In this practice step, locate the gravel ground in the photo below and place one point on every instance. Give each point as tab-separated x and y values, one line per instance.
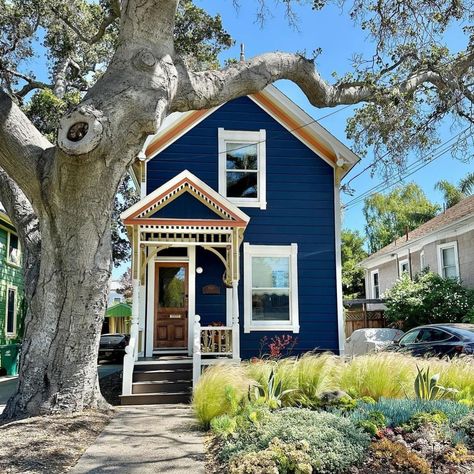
48	444
52	444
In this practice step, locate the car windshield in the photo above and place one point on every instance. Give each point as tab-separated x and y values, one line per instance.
113	338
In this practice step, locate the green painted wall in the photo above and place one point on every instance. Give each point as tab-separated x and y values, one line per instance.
10	275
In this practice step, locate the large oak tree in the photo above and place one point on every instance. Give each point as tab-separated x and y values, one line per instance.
120	67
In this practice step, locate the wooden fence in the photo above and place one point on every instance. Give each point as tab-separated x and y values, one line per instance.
359	314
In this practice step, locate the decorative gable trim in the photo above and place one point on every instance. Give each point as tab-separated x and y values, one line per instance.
284	111
230	215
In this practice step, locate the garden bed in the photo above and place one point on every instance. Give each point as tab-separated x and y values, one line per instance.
322	414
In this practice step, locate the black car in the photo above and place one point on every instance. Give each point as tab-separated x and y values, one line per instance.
437	340
112	346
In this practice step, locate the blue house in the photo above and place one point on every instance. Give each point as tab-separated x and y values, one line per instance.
238	224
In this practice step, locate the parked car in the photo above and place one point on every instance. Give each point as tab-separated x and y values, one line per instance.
437	340
112	346
363	341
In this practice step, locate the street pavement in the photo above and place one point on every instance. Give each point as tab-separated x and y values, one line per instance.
8	384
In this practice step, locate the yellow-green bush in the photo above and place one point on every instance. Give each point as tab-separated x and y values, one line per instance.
219	391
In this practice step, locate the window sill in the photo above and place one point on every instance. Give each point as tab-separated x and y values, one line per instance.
12	264
273	327
239	203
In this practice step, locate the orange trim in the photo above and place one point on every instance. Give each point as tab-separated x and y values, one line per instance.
183	181
293	125
175	130
183	222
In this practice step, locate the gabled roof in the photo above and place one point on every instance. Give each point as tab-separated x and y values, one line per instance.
227	214
282	109
119	310
456	214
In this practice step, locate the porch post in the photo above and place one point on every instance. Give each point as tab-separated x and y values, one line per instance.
235	321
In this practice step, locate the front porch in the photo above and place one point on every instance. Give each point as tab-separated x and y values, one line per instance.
167	263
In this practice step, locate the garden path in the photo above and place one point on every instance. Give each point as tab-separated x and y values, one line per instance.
147	439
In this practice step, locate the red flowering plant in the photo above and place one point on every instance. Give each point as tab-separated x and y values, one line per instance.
277	347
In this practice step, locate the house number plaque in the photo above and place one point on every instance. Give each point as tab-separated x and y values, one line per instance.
175	316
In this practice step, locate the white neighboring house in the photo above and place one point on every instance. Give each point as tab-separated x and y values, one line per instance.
114	296
445	245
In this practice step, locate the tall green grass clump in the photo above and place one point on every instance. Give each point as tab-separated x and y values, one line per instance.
221	390
384	374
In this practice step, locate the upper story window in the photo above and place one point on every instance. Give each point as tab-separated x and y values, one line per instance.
242	162
270	288
13	251
403	267
375	284
448	263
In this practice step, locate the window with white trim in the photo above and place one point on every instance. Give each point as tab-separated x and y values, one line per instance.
13	249
422	260
403	267
242	165
271	288
448	263
374	279
11	309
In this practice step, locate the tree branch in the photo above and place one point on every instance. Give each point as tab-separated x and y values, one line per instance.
201	90
31	83
21	147
26	223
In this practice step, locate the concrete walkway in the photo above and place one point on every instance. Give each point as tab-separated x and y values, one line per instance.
147	439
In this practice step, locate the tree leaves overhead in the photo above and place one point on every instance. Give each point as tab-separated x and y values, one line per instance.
79	38
389	216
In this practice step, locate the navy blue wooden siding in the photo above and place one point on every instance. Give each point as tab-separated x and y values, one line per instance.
300	209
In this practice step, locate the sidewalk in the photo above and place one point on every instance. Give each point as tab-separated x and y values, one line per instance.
147	439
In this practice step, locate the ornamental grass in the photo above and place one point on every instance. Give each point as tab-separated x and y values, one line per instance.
383	375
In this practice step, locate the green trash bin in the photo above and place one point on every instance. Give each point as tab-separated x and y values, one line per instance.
9	358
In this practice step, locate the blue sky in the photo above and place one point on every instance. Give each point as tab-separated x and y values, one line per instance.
331	30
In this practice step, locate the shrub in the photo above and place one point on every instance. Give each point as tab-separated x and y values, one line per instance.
335	443
399	412
420	419
279	457
220	390
428	298
374	422
466	425
399	456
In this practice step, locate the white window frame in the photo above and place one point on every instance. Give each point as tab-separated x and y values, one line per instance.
400	265
290	251
441	247
372	286
15	310
10	262
422	260
242	136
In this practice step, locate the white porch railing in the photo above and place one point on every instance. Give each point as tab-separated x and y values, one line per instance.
212	343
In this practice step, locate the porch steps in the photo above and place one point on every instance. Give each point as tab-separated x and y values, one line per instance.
159	381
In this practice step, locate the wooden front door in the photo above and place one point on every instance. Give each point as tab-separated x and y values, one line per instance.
171	305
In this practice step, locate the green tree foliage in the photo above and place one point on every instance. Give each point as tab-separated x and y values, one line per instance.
428	299
452	193
352	253
389	216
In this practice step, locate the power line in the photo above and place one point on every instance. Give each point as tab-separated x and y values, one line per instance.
413	168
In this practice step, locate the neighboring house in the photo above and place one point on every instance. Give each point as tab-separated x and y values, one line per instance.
239	223
445	245
11	281
114	296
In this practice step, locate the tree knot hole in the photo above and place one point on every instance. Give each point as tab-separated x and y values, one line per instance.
77	131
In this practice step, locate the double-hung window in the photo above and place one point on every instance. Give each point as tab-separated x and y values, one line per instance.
242	167
375	284
13	250
403	267
11	309
271	288
448	263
